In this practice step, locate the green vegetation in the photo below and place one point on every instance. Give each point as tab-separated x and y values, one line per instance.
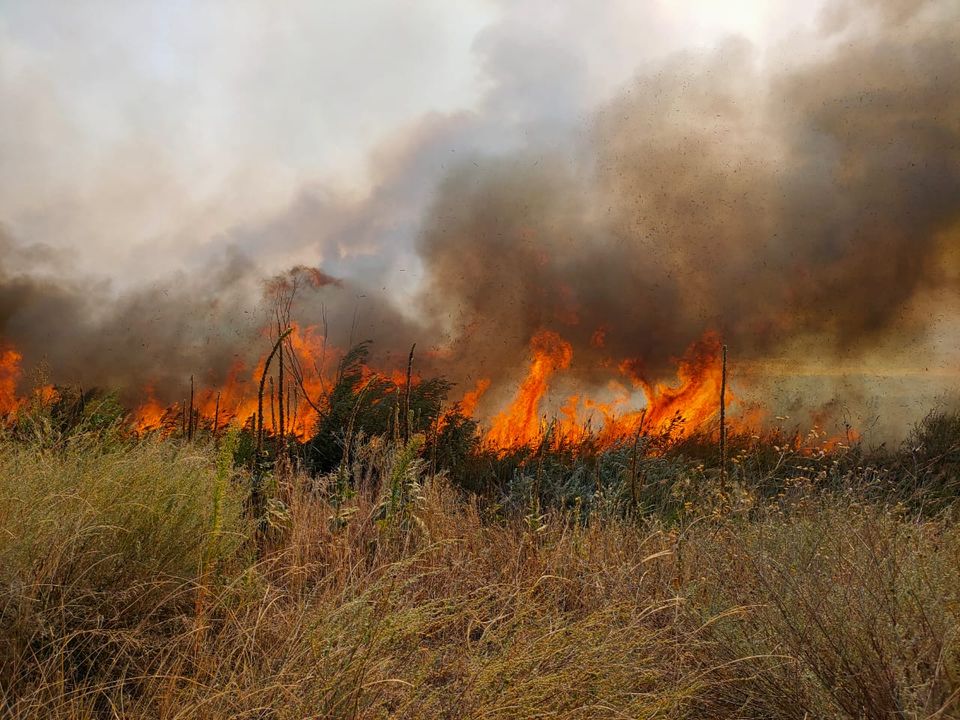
418	580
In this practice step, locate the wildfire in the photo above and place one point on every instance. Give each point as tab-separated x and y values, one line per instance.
9	377
695	398
150	415
10	374
471	398
630	403
671	409
236	401
520	423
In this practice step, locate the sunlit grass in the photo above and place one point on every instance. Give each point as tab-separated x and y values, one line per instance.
131	586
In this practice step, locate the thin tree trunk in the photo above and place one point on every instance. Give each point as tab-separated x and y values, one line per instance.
436	440
257	501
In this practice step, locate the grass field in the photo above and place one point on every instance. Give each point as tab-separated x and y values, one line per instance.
133	583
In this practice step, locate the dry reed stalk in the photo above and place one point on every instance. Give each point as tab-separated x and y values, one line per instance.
273	416
190	420
406	399
541	451
216	416
436	440
345	461
291	390
280	415
633	462
293	405
596	474
723	419
263	382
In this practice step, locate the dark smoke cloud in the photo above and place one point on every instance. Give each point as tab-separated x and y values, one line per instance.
200	323
809	201
159	334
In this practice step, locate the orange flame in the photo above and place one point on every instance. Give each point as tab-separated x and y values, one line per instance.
631	402
235	402
471	398
696	397
670	409
9	377
520	423
150	414
10	374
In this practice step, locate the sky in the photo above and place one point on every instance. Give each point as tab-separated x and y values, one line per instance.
136	136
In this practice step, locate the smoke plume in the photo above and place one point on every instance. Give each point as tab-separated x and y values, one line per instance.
794	201
814	201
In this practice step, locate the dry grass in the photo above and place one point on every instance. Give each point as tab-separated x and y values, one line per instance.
130	589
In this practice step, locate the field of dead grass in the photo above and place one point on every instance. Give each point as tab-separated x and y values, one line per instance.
132	586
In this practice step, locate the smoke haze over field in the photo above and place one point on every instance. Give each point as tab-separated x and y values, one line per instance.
792	183
813	200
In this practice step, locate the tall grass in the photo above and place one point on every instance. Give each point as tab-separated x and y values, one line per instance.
853	613
98	550
130	586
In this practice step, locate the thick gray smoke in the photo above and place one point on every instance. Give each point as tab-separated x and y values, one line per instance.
84	334
200	323
810	201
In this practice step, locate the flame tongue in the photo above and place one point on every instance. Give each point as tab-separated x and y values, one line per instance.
150	414
520	424
695	399
471	398
236	400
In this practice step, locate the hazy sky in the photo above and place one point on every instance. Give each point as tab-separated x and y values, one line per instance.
139	134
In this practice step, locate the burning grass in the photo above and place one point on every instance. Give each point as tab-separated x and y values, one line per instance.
631	403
